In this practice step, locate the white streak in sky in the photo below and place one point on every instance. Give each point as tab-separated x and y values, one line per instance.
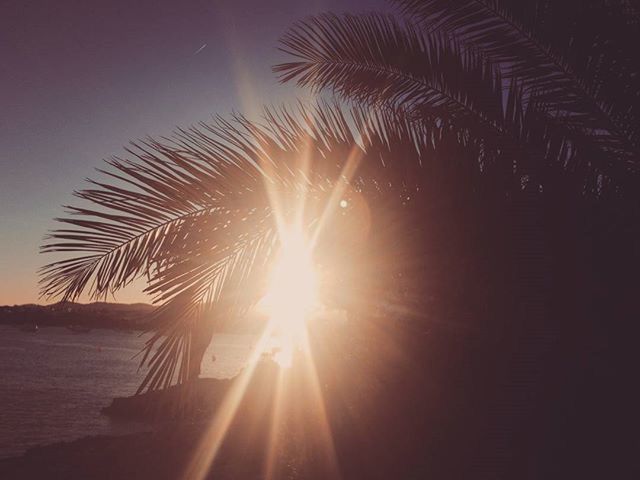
200	49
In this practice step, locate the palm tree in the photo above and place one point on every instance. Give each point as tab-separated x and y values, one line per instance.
471	104
539	86
194	215
546	94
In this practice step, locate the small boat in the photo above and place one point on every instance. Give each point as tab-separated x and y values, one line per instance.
32	328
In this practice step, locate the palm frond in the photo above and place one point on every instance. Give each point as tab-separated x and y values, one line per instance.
192	214
375	60
571	101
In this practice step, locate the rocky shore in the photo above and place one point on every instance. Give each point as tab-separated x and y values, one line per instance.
179	419
442	407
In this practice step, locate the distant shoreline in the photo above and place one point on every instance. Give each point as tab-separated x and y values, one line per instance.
112	316
80	316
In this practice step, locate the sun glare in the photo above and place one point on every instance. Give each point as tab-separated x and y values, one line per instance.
292	294
292	298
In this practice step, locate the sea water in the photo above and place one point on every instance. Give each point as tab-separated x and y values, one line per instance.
54	382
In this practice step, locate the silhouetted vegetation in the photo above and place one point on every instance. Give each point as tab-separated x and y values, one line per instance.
492	289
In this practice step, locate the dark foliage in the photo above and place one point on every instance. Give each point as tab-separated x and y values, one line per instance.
492	284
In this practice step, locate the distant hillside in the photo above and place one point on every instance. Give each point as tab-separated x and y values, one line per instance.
90	315
121	316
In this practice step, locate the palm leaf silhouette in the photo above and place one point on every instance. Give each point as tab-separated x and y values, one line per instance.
471	91
558	67
445	73
193	214
374	59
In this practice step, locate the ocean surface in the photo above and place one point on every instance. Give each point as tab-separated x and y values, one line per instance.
54	382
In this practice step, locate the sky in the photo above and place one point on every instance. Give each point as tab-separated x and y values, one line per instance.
80	79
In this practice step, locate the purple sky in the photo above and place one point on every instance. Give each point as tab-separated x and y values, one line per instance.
79	79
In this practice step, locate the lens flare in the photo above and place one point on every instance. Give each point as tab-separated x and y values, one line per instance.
292	294
291	300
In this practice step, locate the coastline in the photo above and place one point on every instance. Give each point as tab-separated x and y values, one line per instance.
161	452
113	316
166	451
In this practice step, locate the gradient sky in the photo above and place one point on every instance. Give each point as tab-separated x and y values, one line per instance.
79	79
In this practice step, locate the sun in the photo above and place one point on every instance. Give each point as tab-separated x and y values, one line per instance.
292	294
